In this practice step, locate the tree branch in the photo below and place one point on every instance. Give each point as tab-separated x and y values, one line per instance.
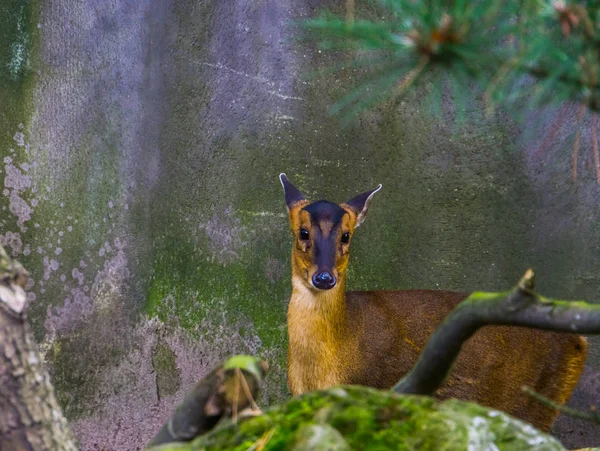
226	390
519	307
484	43
592	100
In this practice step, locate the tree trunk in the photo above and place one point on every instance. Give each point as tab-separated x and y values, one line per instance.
30	418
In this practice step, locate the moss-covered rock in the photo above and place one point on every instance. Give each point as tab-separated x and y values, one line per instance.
352	417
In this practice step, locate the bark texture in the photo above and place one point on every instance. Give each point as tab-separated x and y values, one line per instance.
30	418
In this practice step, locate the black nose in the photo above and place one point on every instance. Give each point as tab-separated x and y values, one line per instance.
323	280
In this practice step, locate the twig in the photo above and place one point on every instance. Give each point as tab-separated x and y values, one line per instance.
262	441
575	157
589	416
349	12
413	75
216	396
595	146
236	394
247	391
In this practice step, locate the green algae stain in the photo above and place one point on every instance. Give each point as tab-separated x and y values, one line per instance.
206	296
16	40
187	282
165	365
19	50
78	361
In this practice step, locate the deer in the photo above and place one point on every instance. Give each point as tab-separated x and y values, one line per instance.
373	338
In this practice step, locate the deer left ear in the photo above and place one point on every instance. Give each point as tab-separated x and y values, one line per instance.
292	194
360	204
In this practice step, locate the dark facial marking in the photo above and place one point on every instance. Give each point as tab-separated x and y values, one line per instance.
325	211
325	246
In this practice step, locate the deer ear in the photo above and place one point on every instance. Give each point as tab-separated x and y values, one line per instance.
292	194
360	204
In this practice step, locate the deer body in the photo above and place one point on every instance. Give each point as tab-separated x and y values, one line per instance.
374	338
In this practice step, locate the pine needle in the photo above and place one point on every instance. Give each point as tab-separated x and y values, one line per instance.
575	156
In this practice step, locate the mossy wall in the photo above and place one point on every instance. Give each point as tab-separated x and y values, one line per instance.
142	142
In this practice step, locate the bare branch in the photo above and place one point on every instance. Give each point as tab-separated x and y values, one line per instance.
580	115
520	307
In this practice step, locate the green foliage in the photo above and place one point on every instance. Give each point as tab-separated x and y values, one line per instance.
539	51
254	366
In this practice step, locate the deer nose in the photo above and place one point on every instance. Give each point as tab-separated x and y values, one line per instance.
323	280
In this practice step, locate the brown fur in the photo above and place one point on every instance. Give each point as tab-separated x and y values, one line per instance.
374	338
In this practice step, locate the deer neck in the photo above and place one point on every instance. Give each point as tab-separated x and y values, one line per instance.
317	318
317	332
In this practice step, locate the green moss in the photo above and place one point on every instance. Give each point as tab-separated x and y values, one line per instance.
185	283
18	47
369	419
16	39
167	374
78	361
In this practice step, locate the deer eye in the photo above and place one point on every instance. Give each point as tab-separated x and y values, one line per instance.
346	237
304	234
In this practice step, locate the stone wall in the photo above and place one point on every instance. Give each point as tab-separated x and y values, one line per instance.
141	144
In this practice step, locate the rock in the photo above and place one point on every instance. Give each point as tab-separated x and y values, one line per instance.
320	437
352	417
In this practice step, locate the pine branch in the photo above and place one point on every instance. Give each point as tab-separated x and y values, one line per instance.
592	100
496	43
588	416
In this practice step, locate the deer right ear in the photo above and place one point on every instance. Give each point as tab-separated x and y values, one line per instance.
360	204
292	194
